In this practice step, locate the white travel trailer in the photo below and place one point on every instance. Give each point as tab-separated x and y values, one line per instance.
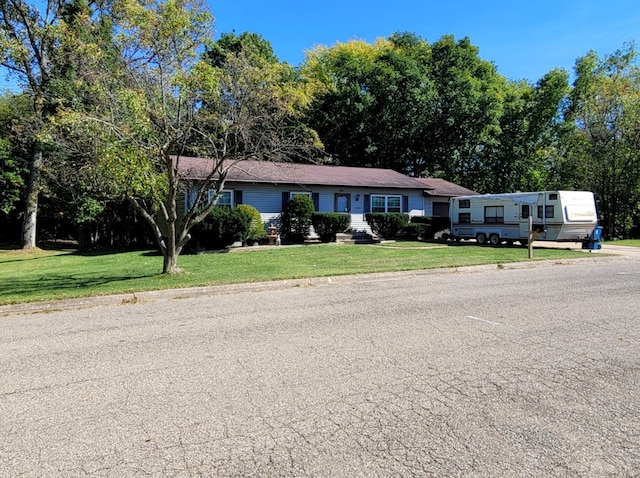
556	216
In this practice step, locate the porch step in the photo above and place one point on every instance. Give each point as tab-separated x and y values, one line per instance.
356	237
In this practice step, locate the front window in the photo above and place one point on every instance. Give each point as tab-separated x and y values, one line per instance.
494	214
464	203
386	203
225	198
464	217
293	194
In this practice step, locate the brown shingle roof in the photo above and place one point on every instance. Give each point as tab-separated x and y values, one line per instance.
321	175
301	174
440	187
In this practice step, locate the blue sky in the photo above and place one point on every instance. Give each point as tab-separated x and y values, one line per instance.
524	39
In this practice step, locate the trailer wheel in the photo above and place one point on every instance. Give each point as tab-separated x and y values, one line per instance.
481	238
494	239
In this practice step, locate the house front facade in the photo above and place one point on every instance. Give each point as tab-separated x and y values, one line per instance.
267	186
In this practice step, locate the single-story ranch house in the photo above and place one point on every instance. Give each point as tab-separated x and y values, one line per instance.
267	186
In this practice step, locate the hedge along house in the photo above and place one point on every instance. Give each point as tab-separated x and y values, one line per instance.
267	186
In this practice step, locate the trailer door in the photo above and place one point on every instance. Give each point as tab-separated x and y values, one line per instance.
525	212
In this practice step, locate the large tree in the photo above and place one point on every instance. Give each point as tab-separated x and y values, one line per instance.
402	103
603	152
523	148
39	47
374	101
164	99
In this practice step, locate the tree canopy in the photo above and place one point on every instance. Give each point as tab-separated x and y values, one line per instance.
167	96
115	92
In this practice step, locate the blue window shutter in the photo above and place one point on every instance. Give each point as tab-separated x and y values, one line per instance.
316	200
237	197
405	203
285	198
367	203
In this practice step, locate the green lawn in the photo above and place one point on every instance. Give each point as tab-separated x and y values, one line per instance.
625	242
50	274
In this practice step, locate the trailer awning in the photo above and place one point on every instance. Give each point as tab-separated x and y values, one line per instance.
519	199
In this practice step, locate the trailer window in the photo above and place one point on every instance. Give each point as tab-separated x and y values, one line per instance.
553	196
464	203
548	211
494	214
525	212
464	217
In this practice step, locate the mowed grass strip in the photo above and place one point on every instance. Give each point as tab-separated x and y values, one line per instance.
49	275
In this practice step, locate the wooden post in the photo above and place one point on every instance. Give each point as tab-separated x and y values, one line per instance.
530	235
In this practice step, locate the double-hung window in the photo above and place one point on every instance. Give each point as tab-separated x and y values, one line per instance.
381	203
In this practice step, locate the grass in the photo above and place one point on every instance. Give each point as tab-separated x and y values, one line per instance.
625	242
54	274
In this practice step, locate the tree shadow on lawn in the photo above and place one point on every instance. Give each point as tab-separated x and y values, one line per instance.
57	285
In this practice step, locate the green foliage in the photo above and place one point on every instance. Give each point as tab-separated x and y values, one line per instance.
386	225
425	227
328	224
222	227
230	44
11	178
602	144
404	104
256	230
296	219
415	231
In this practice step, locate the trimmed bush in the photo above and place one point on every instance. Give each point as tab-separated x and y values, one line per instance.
427	226
221	228
415	231
296	219
328	224
256	230
386	225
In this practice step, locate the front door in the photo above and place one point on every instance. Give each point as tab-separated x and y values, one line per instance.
343	203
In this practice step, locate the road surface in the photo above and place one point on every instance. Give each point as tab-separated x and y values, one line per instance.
488	371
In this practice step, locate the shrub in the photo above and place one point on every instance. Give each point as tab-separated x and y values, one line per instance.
221	228
415	230
386	225
256	230
328	224
296	219
427	226
420	220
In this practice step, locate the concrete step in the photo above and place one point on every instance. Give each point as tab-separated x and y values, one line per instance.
355	238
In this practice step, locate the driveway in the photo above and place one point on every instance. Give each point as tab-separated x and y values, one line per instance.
515	371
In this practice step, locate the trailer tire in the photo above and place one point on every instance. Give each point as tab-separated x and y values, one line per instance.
494	239
481	238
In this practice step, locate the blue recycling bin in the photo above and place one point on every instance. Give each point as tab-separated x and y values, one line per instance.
597	233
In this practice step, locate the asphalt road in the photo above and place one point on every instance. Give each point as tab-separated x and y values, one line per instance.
480	372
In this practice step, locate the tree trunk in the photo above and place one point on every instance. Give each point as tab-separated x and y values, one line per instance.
31	208
170	265
171	251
